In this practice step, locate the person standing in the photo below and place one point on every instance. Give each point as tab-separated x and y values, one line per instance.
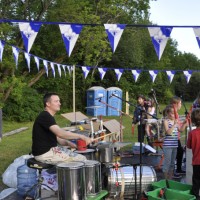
138	117
148	127
176	102
196	103
46	135
193	143
170	142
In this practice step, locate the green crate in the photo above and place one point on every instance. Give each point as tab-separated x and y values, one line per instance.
169	195
175	185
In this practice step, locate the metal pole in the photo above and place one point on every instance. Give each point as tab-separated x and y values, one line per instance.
1	124
74	94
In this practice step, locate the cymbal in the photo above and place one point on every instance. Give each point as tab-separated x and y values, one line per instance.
103	145
120	144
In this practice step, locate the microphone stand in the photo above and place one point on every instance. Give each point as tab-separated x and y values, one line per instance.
140	164
186	114
121	113
157	105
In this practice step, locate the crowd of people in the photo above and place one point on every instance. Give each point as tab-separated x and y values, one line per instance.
173	150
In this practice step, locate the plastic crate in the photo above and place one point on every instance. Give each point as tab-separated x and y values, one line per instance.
175	185
169	194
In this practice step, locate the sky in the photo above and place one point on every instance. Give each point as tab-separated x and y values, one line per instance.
182	13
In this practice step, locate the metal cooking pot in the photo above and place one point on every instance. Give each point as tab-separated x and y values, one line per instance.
105	154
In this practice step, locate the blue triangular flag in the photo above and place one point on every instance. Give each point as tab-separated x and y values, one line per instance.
15	51
2	44
159	37
153	74
29	32
136	74
46	66
37	61
59	69
170	75
28	60
197	34
64	66
70	35
114	32
188	75
86	71
119	73
53	69
102	72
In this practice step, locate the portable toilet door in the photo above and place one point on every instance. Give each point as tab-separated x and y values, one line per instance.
95	95
114	102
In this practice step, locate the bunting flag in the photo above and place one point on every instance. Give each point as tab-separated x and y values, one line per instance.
2	44
37	61
64	66
86	71
102	72
153	74
45	63
170	75
197	35
53	69
159	37
15	51
70	35
70	69
136	74
119	73
188	75
28	60
29	32
59	69
114	32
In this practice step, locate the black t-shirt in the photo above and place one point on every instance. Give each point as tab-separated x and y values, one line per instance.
43	139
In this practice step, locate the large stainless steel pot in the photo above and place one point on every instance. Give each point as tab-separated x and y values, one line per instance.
105	155
71	181
92	177
123	179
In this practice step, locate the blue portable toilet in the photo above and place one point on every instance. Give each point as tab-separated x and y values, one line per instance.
114	102
95	95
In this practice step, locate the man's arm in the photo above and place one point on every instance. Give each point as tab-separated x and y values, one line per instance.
65	142
60	133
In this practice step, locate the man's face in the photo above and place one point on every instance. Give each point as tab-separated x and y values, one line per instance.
54	103
140	101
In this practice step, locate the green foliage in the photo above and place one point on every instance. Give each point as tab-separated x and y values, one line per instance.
135	51
23	106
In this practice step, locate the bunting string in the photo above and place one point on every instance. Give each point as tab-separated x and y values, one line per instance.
70	33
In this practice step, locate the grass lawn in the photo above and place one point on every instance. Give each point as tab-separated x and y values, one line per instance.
19	144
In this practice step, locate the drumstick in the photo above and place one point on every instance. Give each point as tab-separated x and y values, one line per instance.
175	112
104	136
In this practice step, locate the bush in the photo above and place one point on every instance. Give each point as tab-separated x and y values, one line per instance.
25	108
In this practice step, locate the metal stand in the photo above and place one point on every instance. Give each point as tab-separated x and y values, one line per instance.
37	187
141	111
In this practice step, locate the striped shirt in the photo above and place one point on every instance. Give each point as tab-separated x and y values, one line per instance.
172	139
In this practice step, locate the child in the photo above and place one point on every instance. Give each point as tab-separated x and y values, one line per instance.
193	143
148	128
170	142
176	102
138	116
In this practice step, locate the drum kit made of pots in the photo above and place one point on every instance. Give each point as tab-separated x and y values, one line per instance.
81	180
